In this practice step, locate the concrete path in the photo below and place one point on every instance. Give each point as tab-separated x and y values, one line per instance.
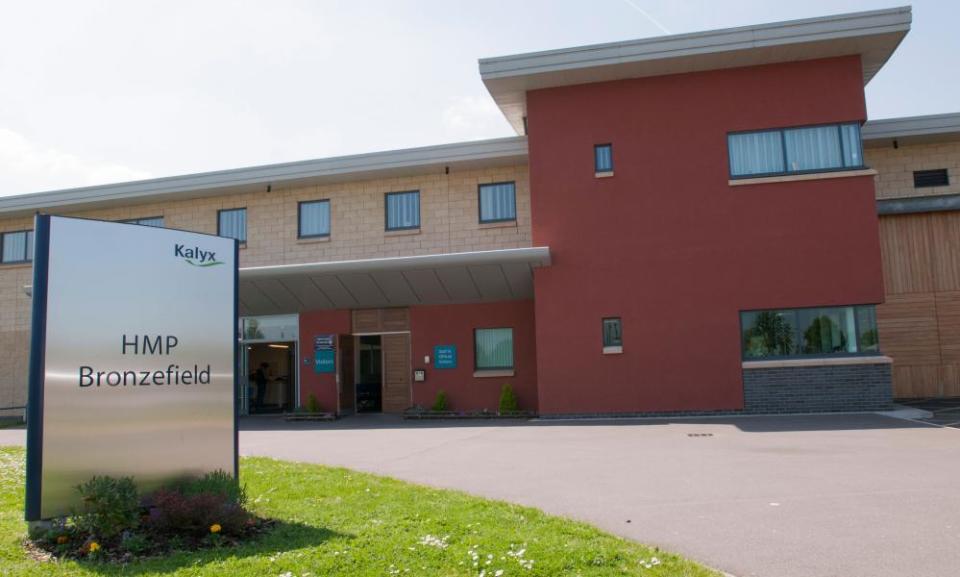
824	496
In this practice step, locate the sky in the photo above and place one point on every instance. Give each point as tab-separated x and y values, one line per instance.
93	92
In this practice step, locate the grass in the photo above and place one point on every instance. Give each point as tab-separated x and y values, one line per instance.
339	522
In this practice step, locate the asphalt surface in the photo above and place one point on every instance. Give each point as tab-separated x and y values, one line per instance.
818	496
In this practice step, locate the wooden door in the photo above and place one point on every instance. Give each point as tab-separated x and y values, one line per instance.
347	381
396	372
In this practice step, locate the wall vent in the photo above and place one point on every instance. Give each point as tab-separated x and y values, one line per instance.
925	178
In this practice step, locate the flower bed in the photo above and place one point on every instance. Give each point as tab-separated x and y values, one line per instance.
415	413
116	524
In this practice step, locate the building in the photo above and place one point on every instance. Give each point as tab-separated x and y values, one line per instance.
685	224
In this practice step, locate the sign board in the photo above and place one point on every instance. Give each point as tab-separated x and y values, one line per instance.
324	361
132	358
445	357
324	342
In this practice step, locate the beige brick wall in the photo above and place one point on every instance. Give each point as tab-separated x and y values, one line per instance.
448	220
895	168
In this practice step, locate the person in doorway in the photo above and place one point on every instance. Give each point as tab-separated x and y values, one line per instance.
260	378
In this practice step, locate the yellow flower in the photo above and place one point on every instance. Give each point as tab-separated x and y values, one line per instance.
94	546
62	539
215	528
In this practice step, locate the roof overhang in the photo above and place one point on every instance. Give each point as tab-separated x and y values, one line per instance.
393	163
873	35
465	277
912	130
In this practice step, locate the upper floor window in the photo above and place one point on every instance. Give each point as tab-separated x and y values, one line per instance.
403	210
314	219
795	150
498	202
612	332
17	246
603	158
232	223
148	221
493	349
809	332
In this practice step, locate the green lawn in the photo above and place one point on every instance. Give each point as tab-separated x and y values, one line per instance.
340	522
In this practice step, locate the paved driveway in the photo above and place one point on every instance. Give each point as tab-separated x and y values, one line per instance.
825	496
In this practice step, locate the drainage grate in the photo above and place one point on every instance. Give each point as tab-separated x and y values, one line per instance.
699	434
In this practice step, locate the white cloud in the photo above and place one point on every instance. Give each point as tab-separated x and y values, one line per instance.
26	166
473	118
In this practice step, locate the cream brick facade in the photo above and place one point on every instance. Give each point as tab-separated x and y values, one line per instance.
895	168
449	220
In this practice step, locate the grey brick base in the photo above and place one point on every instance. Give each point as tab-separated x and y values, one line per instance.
832	388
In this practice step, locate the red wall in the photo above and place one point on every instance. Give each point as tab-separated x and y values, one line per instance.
323	386
453	325
669	246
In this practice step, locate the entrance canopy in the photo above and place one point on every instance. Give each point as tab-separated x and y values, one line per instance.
462	277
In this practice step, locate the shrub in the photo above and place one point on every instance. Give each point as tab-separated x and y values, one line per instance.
440	403
508	399
109	506
313	404
216	483
174	512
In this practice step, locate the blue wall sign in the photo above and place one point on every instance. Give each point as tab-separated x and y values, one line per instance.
445	357
324	361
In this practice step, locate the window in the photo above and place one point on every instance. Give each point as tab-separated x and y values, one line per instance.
824	331
612	335
232	223
795	150
493	349
603	158
148	221
403	210
925	178
17	246
498	202
314	219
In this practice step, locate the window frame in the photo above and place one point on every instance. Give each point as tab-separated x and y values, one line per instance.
300	204
480	202
3	240
245	223
603	332
513	351
386	211
845	354
138	221
596	168
783	151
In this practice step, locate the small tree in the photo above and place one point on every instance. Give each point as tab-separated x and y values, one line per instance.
508	400
440	403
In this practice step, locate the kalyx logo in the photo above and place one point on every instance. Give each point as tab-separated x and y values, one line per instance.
195	256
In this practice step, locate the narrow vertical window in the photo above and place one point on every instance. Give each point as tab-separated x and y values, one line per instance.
612	335
314	219
603	158
232	224
498	202
493	349
403	210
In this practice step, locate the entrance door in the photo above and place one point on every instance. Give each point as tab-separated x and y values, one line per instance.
369	374
396	378
271	370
